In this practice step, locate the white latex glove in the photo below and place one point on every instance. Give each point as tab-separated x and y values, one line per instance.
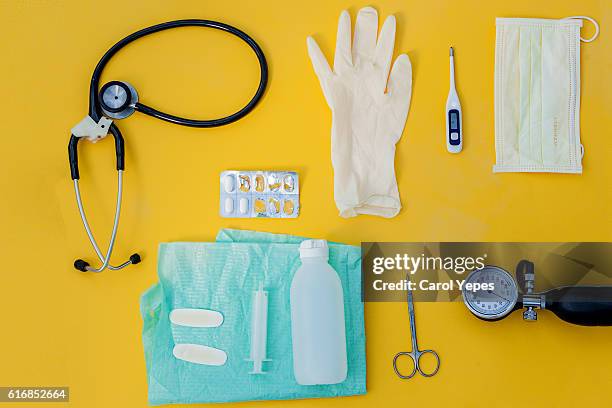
367	122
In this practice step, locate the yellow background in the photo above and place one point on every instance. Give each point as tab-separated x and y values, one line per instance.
63	327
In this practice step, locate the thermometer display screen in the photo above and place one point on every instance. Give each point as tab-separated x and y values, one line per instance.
454	120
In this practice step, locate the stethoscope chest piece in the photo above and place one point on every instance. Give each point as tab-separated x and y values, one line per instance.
118	99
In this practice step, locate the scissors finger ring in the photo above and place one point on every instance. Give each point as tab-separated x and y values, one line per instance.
418	365
414	364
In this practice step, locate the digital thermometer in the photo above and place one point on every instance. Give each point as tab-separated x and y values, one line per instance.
454	135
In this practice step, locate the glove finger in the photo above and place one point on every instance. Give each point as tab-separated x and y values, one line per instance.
366	28
321	67
399	92
384	47
400	79
343	59
319	63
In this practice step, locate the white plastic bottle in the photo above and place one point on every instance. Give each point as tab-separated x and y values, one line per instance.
318	332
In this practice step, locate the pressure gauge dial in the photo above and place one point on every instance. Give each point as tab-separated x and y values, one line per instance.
490	293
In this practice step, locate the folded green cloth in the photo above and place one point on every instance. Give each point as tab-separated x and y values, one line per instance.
222	276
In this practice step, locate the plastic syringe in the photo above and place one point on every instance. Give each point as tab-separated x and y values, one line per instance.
259	329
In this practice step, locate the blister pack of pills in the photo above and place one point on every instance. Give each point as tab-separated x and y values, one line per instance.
259	194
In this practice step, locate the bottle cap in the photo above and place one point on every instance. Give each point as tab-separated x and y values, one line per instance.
312	248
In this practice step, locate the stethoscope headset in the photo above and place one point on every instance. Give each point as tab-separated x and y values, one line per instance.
118	100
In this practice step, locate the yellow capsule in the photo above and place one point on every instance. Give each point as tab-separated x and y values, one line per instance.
260	206
288	183
288	207
274	205
259	183
245	183
274	182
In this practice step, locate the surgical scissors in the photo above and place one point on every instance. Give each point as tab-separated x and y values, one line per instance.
415	354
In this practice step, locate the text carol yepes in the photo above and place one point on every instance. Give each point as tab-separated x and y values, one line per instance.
424	284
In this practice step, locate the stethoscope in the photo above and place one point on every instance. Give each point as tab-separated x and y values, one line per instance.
118	100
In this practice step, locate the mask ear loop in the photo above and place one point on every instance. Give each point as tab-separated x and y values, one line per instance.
592	21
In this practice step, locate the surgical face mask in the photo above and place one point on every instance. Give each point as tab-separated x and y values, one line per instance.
537	95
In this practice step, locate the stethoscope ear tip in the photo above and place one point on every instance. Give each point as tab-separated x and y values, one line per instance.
81	265
135	258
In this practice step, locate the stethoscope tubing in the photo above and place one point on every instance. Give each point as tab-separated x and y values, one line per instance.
104	259
95	110
94	106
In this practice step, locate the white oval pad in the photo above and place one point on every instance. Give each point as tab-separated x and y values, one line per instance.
196	317
198	354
